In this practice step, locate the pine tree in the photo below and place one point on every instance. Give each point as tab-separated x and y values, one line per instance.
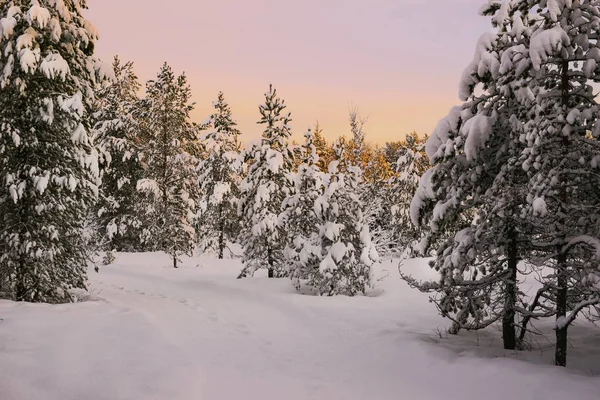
170	156
303	249
557	58
347	252
324	150
264	189
219	181
48	159
472	196
410	164
519	156
117	131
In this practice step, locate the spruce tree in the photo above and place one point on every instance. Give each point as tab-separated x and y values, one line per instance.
170	157
347	251
48	159
264	189
472	197
324	150
219	177
520	153
303	249
557	59
409	165
119	221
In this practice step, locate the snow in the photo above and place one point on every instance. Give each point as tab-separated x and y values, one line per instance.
274	160
41	183
39	15
424	192
477	131
483	62
589	68
29	59
440	137
151	332
338	251
545	44
53	66
7	27
554	9
540	209
221	189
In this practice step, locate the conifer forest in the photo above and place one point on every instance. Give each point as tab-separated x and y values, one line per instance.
149	254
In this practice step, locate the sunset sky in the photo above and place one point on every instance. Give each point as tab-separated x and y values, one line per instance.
398	60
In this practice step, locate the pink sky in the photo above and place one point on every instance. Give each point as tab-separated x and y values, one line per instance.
398	60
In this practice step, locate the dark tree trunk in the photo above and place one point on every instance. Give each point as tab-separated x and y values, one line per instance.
221	232
271	262
174	261
510	296
560	356
21	287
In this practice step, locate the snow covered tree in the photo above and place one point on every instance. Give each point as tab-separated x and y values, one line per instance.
375	171
556	55
356	147
264	189
472	197
410	164
303	249
520	155
170	157
324	150
347	252
219	181
117	132
48	159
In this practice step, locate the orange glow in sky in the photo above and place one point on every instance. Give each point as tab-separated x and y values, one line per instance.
399	61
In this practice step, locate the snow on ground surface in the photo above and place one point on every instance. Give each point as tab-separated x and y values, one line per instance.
152	332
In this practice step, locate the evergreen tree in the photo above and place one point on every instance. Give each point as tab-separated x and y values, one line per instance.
303	249
521	157
116	129
219	181
48	159
472	197
324	150
347	252
170	157
264	189
556	56
410	164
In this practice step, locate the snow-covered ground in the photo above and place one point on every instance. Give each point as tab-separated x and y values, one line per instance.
151	332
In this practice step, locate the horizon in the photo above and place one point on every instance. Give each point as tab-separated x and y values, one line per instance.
377	56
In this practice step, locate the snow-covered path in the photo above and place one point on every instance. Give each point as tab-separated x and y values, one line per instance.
197	333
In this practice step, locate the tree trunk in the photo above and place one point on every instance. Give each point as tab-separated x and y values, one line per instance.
560	356
20	286
271	262
174	261
510	296
221	232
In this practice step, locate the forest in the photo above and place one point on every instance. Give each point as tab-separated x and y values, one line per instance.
95	163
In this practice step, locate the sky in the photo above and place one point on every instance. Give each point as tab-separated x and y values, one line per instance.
399	61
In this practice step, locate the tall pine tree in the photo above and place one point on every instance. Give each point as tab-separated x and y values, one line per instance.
264	189
117	131
409	165
303	250
170	157
557	57
220	181
48	159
